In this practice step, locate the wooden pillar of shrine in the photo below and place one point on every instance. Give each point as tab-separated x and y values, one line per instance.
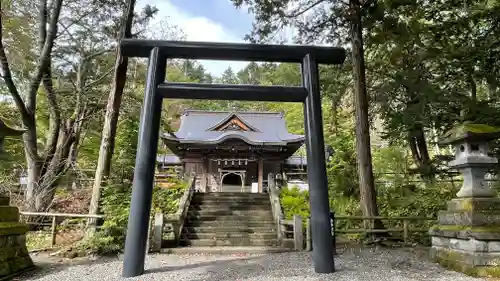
261	174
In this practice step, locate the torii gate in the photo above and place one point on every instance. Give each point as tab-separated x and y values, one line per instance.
158	89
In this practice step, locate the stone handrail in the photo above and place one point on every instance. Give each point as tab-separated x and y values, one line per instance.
179	217
274	197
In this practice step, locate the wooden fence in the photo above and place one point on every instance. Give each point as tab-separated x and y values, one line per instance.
293	229
54	218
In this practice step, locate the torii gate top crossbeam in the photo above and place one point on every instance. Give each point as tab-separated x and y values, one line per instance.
232	51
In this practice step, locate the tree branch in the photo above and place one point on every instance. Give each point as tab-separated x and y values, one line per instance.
80	84
73	22
299	13
98	80
365	4
6	74
44	58
54	113
42	27
96	54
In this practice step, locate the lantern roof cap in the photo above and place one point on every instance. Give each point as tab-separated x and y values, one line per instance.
7	131
468	131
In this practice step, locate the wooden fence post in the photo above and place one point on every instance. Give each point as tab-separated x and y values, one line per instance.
148	237
53	232
279	232
405	231
308	235
298	236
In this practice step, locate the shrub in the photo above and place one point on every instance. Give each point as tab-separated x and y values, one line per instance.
294	202
115	205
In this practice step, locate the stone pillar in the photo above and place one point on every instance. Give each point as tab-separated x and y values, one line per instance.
14	257
467	236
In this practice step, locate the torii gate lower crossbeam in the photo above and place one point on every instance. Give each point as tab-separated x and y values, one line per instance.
157	89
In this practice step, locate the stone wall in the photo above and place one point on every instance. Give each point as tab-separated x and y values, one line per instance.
14	257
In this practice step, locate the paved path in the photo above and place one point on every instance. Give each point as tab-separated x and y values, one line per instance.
353	265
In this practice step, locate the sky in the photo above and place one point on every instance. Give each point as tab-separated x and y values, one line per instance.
205	20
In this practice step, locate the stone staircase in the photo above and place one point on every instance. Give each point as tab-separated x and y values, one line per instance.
229	219
231	188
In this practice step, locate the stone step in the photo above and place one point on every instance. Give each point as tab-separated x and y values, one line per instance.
223	212
231	195
233	218
4	201
224	250
228	198
227	201
229	242
229	235
231	224
9	214
238	194
229	207
227	229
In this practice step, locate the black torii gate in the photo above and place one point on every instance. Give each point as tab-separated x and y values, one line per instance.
157	89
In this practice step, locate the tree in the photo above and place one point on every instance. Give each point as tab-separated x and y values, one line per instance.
250	75
59	115
228	77
326	21
364	157
196	71
428	65
38	164
112	112
400	70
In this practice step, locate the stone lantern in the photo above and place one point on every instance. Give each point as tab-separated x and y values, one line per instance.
6	131
471	142
14	256
467	236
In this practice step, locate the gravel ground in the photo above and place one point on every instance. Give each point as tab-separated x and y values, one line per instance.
352	265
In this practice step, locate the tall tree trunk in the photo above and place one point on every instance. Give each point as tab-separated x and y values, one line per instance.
368	195
473	86
112	113
492	86
420	152
437	149
33	170
417	141
44	174
73	154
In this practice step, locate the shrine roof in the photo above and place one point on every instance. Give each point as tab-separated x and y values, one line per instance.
214	127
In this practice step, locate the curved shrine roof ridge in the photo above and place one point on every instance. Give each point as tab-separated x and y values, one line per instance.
253	127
